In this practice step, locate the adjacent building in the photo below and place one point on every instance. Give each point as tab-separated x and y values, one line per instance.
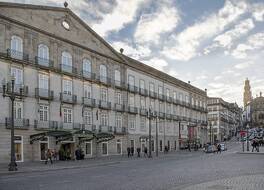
78	91
224	119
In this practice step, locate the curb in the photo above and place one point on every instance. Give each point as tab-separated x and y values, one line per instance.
255	153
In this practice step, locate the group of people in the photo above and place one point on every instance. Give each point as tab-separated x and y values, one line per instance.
130	151
255	145
51	155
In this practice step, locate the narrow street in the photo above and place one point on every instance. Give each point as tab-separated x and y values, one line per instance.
185	170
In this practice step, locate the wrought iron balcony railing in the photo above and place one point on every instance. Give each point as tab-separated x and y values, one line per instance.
18	123
133	110
68	69
68	98
120	130
143	111
44	93
90	102
143	92
88	75
132	88
17	55
104	104
119	107
42	62
19	89
152	94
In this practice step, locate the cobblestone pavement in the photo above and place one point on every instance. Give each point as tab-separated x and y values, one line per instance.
184	170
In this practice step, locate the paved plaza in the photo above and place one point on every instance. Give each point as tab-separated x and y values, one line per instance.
182	170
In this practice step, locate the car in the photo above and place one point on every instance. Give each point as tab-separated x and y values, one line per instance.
210	149
223	146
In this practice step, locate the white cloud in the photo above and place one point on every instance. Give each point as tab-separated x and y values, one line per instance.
184	45
157	63
137	52
258	12
254	42
123	13
244	65
151	26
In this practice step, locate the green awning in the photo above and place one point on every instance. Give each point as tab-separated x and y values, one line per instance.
102	137
64	135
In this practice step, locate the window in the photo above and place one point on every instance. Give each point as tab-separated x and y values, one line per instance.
104	94
132	100
67	87
43	53
87	117
132	122
86	66
88	148
118	146
118	97
104	119
168	92
160	90
180	97
117	76
151	87
174	95
87	91
161	145
67	115
186	99
118	121
16	47
43	81
18	74
168	109
174	109
18	110
131	80
152	104
104	148
161	107
142	102
43	113
142	123
142	84
103	73
66	59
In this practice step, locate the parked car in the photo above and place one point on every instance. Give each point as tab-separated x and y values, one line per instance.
223	146
210	149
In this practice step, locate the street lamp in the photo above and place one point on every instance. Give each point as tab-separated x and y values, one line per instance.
157	150
9	91
150	148
247	138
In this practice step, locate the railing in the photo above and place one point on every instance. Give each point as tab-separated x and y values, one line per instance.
18	123
68	126
119	107
168	116
88	75
17	55
68	98
143	111
44	93
118	84
132	109
45	124
68	69
161	97
44	62
105	128
152	94
77	126
18	89
169	99
104	104
143	92
90	127
90	102
161	115
175	117
120	130
104	80
132	88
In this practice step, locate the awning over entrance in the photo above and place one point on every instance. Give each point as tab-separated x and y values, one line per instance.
102	137
84	135
59	135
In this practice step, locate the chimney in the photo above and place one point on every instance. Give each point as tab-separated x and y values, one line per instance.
189	82
121	50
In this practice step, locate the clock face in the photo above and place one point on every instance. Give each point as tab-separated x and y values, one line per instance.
66	25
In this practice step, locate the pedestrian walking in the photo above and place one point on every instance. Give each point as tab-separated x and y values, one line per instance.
128	152
145	152
189	147
254	145
138	152
219	148
132	151
48	156
55	155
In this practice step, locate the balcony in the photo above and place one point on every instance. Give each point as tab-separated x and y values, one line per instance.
168	116
152	94
44	93
89	127
161	97
119	107
17	55
175	117
104	80
132	110
88	75
143	111
143	92
78	126
120	131
19	89
104	105
169	99
67	126
105	129
176	101
68	69
132	88
119	84
18	123
162	115
184	118
45	125
153	114
44	63
68	98
89	102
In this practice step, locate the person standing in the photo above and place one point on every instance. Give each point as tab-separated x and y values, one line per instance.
128	152
145	152
138	152
253	145
132	151
48	156
219	148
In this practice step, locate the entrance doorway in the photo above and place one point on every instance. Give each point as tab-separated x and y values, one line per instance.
66	151
143	145
44	145
19	148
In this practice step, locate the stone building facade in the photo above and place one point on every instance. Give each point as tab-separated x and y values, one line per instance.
78	91
257	112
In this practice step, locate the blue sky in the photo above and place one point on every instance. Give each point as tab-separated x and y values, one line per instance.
214	44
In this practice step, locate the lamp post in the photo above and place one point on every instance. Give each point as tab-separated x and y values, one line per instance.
210	133
150	148
157	149
12	95
247	138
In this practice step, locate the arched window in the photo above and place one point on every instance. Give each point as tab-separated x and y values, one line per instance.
103	73
43	54
117	78
66	62
16	47
87	68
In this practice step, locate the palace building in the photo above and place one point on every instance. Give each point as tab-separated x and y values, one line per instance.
77	91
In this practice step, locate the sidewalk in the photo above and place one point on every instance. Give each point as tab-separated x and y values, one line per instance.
261	150
26	167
